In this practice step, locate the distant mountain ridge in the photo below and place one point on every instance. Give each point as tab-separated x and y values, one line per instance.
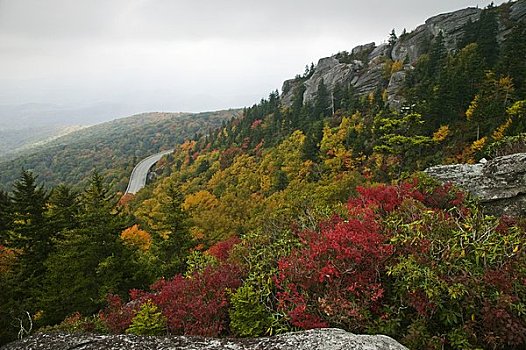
31	124
112	147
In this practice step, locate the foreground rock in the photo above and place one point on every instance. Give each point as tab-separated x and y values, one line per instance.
500	184
321	339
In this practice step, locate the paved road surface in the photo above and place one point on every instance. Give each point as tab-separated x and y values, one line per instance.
140	172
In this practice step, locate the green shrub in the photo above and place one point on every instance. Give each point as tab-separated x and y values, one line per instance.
253	306
198	261
248	315
148	321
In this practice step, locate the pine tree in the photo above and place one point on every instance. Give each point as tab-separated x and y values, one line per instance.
173	249
30	236
90	260
392	38
30	227
6	213
63	208
511	61
322	103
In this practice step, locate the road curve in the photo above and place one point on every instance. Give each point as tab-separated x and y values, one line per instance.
140	172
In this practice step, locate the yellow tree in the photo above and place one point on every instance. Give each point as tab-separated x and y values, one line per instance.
137	238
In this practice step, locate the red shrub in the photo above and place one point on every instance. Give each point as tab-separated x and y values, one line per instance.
334	279
198	305
221	250
117	316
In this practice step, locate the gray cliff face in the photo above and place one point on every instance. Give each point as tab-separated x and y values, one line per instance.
332	72
500	184
412	45
321	339
518	11
367	72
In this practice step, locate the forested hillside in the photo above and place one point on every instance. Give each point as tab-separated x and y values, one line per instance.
112	148
301	213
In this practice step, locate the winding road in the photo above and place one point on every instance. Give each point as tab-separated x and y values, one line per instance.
140	172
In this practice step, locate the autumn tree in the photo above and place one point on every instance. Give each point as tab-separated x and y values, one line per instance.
135	237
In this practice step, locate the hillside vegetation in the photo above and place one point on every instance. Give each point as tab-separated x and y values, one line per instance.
113	148
296	216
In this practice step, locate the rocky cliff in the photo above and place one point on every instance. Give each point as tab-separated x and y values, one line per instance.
321	339
499	184
366	66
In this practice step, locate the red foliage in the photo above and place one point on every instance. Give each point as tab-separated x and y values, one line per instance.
125	199
221	250
444	197
198	305
384	198
117	316
505	223
335	277
501	327
256	123
227	157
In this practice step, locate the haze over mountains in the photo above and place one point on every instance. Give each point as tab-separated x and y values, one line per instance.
26	125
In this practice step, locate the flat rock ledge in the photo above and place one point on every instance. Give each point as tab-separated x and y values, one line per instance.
320	339
499	184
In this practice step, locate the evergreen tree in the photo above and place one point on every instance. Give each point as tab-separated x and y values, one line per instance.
90	260
30	236
6	212
30	228
173	249
511	61
392	39
484	33
63	208
311	146
322	104
437	56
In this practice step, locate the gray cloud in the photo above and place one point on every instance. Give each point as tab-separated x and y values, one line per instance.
175	54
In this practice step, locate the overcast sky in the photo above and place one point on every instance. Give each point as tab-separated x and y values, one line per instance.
175	55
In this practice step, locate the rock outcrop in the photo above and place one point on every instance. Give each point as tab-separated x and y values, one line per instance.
365	66
499	184
410	46
332	72
320	339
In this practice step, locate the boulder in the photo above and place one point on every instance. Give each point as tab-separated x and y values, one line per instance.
320	339
361	49
499	184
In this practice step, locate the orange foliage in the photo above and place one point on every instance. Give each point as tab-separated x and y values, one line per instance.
137	238
7	259
125	199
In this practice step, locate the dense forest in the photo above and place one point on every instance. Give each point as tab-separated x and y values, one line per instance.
113	148
296	217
